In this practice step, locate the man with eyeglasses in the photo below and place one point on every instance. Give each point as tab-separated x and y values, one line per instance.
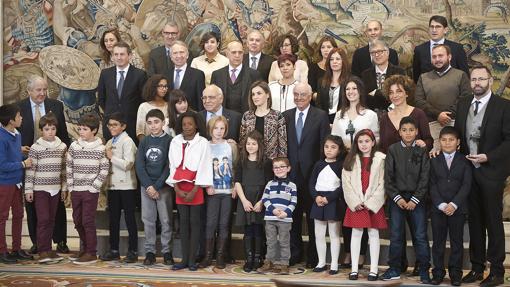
438	28
439	90
362	59
159	57
483	120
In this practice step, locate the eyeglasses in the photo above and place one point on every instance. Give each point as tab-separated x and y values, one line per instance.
279	167
474	80
173	34
377	52
301	95
162	86
208	98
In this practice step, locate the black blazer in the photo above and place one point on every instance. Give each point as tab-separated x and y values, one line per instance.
221	78
422	62
307	152
361	60
129	101
322	100
27	125
263	67
159	62
234	123
192	84
369	78
495	135
450	185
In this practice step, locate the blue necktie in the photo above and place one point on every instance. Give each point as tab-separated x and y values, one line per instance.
120	85
177	82
299	126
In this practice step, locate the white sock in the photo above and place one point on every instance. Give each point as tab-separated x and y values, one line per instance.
375	245
320	241
334	236
357	233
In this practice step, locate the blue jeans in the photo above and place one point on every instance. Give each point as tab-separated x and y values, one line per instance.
418	217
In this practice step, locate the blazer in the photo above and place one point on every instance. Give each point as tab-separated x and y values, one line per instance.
422	62
304	154
221	78
263	67
27	125
234	123
494	135
450	185
361	60
128	102
369	78
159	62
192	84
322	99
373	198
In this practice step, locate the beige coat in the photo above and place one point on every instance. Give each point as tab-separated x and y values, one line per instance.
373	198
122	171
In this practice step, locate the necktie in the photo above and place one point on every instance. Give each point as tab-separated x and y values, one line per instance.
253	63
299	126
37	118
449	160
380	80
477	103
177	81
233	77
120	84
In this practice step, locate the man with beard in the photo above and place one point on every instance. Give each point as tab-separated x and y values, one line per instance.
483	122
439	90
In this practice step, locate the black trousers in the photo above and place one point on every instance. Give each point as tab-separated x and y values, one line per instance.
190	221
118	200
442	225
60	229
485	217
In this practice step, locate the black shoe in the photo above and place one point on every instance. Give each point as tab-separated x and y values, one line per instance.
294	261
436	280
319	269
21	255
456	281
416	270
373	276
492	280
6	258
472	276
62	248
179	266
110	256
193	267
150	259
333	272
353	276
33	249
131	257
168	259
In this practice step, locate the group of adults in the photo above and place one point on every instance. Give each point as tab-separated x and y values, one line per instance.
295	104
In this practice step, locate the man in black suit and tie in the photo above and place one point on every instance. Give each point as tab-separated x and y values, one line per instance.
362	59
483	121
212	98
255	59
32	109
184	77
159	57
438	27
235	79
307	126
120	89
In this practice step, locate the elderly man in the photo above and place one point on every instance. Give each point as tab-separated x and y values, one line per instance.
362	59
439	90
184	77
255	59
374	77
235	79
159	57
212	99
307	126
32	109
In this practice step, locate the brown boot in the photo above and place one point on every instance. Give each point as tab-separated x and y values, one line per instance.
220	259
209	249
267	267
284	269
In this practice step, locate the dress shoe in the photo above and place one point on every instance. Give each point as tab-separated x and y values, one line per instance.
33	249
62	248
373	276
6	258
319	269
21	255
456	281
110	256
179	266
472	276
131	257
150	259
436	280
416	270
168	259
333	272
492	280
353	276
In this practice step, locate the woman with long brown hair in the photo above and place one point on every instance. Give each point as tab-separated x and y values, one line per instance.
109	38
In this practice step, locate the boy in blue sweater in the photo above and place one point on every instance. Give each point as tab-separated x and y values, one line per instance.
11	178
279	199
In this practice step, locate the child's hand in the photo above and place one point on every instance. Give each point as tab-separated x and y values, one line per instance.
25	149
449	209
29	197
325	200
318	200
258	206
411	205
28	162
282	214
109	152
277	212
248	207
63	195
420	143
359	207
210	190
155	195
402	203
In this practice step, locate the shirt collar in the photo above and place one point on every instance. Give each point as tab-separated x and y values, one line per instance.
444	72
33	104
125	69
183	68
377	70
440	42
256	55
305	111
448	155
404	145
483	100
219	112
238	68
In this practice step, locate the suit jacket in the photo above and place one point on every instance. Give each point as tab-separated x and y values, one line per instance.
322	100
369	77
128	102
494	135
422	62
450	185
263	67
192	84
159	62
304	154
361	60
234	123
221	78
27	125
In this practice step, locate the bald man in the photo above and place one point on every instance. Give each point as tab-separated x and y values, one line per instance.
235	79
255	59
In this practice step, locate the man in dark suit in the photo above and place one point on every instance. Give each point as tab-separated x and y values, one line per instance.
32	109
255	59
307	126
120	89
212	98
159	57
184	77
362	59
438	27
235	79
483	121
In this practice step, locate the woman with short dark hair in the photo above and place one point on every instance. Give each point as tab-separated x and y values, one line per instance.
288	44
211	60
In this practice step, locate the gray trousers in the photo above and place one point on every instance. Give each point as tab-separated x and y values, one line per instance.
278	235
151	208
218	215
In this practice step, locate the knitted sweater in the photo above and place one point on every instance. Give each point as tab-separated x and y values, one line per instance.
87	166
279	193
47	172
11	166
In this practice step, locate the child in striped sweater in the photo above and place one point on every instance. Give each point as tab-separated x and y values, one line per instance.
279	199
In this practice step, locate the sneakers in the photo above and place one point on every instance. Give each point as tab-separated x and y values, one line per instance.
168	258
131	257
6	258
76	256
110	256
281	269
267	267
390	274
21	255
86	259
150	259
48	257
